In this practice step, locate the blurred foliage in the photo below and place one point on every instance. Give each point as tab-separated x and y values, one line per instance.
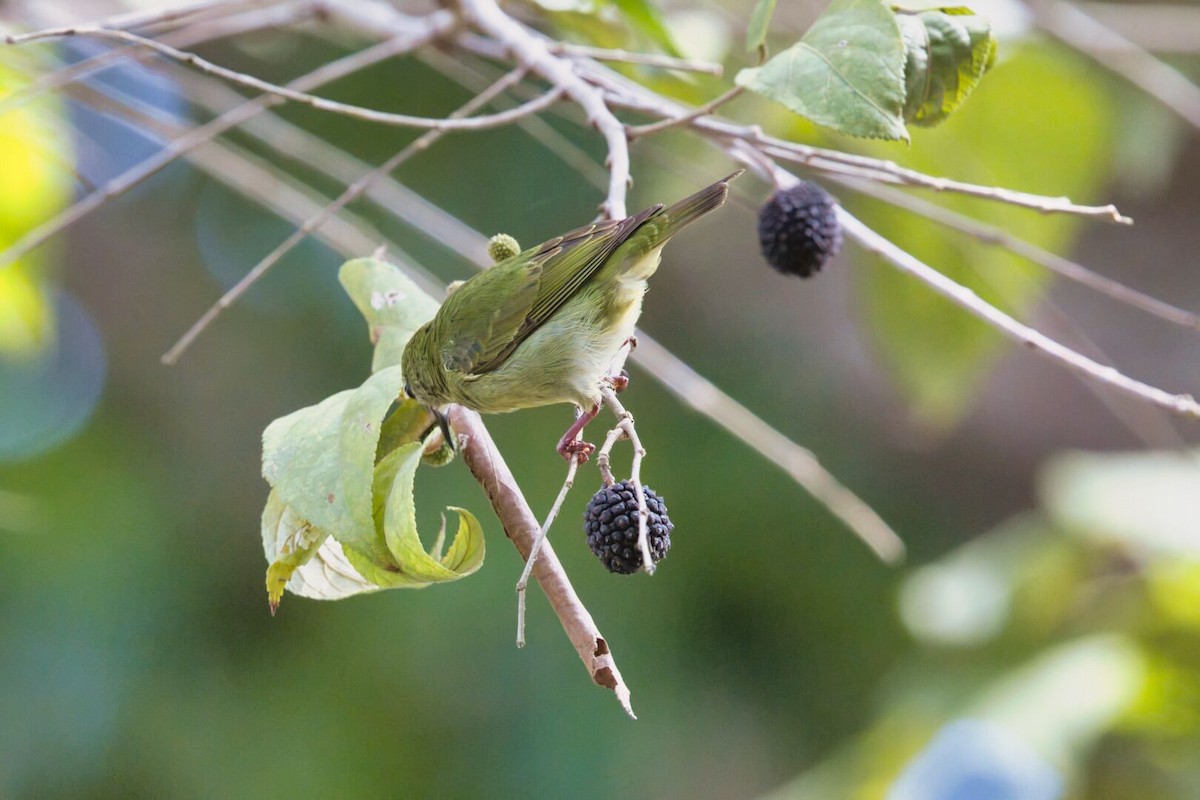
1056	654
34	185
1048	643
51	357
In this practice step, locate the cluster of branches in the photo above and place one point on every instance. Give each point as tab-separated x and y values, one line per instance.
473	41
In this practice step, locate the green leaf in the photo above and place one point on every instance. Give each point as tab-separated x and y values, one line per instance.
304	559
646	18
760	23
1040	123
408	422
289	542
393	306
321	459
947	51
27	318
341	518
400	528
847	73
320	462
395	512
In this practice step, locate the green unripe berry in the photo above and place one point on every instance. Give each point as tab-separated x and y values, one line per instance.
502	246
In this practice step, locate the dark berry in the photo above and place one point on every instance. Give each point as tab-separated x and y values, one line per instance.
798	229
611	523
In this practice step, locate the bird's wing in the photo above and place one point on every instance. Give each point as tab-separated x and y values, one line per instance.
525	291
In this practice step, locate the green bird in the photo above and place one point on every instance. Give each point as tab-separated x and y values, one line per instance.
547	325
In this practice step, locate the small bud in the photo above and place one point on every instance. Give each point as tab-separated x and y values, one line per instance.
452	287
438	453
502	246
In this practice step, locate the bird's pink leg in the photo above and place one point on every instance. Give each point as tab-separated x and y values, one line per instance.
569	445
621	379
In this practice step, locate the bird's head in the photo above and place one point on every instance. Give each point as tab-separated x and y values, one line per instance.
423	377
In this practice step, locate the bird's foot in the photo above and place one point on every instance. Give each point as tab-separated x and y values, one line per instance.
576	448
570	446
619	381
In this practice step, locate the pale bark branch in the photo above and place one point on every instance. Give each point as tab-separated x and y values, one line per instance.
993	235
531	50
322	103
488	466
1181	404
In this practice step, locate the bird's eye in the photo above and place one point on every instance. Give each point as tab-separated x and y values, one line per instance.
408	391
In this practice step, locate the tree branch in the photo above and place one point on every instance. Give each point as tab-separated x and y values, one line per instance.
529	49
189	140
324	104
1064	267
1180	404
487	465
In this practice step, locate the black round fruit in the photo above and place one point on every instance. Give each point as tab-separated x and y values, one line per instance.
798	229
611	523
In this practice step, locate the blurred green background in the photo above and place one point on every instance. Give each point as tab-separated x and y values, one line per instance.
1042	640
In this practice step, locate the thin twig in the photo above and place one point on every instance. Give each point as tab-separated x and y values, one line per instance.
626	426
800	464
531	50
309	150
484	122
1149	424
888	171
157	16
539	540
993	235
604	455
352	192
249	175
622	92
459	70
207	31
646	59
487	465
634	132
185	143
1183	405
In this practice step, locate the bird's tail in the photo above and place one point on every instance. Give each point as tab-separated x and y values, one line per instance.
692	208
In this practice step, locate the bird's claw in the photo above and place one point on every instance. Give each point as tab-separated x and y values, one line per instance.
619	381
576	448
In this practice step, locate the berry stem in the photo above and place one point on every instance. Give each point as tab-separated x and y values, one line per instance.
625	426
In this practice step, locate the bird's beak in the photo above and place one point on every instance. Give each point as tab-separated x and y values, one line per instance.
444	423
